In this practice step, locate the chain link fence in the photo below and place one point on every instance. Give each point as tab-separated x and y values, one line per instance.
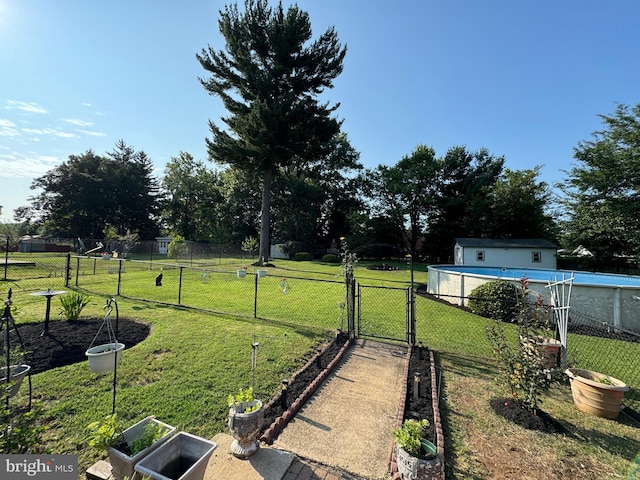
30	271
442	322
445	325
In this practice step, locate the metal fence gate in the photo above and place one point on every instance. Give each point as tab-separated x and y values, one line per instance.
384	312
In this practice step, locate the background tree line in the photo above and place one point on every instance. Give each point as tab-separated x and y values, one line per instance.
286	173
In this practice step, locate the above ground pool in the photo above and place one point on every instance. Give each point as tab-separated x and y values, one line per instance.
605	297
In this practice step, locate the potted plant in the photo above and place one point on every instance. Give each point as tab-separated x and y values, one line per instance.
262	273
126	448
246	417
414	454
242	272
103	358
17	370
182	457
596	393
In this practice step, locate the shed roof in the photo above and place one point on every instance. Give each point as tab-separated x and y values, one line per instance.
506	243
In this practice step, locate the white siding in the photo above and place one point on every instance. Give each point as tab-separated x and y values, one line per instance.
505	257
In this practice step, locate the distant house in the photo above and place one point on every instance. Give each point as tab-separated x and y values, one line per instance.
511	253
39	243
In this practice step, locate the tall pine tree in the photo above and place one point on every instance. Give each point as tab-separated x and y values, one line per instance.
269	78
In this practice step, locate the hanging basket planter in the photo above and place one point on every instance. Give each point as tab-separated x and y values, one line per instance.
242	273
103	358
17	374
596	393
262	273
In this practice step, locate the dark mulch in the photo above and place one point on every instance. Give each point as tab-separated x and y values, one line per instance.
516	413
68	341
303	379
421	407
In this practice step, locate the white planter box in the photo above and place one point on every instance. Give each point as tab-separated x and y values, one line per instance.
18	372
183	457
122	465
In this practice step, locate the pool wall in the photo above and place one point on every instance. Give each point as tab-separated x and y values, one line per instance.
617	304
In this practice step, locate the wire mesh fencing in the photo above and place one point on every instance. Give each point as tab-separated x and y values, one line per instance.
30	271
445	324
246	293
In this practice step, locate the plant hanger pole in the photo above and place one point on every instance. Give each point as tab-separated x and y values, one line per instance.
115	341
7	320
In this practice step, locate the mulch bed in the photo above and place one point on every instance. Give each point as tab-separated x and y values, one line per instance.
516	413
421	407
68	341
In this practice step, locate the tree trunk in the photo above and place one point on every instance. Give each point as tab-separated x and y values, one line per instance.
265	217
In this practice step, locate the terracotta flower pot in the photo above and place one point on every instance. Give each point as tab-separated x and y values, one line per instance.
596	393
550	348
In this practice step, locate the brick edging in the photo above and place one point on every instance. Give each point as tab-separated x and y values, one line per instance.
278	425
437	420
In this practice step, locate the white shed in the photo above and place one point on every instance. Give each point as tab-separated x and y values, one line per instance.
508	253
163	244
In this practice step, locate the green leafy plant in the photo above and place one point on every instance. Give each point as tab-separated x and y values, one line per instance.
72	303
104	433
330	258
151	433
497	300
520	360
177	247
250	244
16	356
303	257
243	401
408	436
20	430
107	433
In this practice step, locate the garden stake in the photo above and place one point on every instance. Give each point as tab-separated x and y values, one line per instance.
416	385
283	395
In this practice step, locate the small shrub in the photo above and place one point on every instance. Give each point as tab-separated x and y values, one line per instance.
177	248
497	300
303	257
330	258
20	430
72	304
520	359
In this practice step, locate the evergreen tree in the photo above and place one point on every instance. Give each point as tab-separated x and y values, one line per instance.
269	79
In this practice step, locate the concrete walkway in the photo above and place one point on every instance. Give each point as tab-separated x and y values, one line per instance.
348	423
344	432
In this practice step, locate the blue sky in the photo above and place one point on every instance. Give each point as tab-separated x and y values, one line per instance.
524	79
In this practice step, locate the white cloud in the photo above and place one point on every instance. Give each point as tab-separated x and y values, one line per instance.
92	133
26	165
79	123
25	106
86	104
49	131
8	128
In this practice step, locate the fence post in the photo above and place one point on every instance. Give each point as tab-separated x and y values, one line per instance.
180	286
119	274
67	271
6	258
77	270
255	297
350	284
